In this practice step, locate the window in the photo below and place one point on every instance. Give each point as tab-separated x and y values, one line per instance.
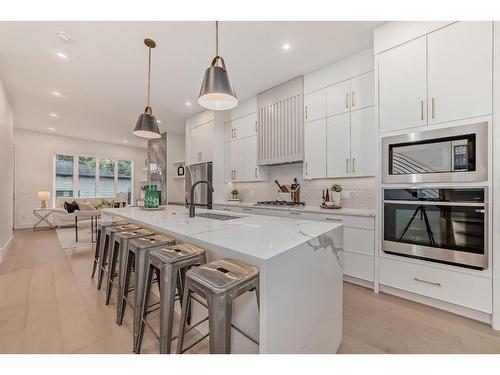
95	177
86	176
125	178
64	176
107	178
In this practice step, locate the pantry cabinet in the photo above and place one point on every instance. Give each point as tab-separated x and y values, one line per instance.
402	75
460	71
443	76
315	149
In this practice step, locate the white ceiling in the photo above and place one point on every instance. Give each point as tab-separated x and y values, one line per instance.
103	81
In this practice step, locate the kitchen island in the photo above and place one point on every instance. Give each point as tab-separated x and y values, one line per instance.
300	264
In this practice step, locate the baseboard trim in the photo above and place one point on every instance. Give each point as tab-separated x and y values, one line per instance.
5	248
357	281
450	307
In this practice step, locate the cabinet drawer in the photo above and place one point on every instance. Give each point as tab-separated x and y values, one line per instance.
358	265
466	290
359	240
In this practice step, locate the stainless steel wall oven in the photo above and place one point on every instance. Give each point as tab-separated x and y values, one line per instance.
441	225
456	154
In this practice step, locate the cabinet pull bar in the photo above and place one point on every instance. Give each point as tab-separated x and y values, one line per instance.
255	172
353	165
332	219
306	112
433	110
347	100
347	165
353	97
307	169
422	110
426	282
294	213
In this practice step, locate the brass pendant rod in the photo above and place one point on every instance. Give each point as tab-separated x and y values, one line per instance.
216	38
149	75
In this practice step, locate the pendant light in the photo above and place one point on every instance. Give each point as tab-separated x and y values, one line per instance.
216	91
146	126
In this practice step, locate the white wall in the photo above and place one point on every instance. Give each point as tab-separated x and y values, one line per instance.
6	166
175	153
34	153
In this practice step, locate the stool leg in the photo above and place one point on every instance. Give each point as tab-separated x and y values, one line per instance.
103	255
126	287
145	308
141	270
184	309
122	267
111	270
96	254
167	301
219	323
180	287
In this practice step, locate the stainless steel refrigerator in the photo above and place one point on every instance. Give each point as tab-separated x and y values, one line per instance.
202	194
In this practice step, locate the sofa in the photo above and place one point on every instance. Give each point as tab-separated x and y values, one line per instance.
62	218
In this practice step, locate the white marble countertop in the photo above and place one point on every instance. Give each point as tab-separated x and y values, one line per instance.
312	209
256	236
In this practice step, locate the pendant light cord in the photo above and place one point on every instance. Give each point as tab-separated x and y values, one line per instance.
149	75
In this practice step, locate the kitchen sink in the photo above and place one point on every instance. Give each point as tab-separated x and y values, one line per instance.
209	215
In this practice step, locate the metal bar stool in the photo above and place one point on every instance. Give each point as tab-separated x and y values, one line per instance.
116	255
102	227
108	242
219	283
172	263
138	255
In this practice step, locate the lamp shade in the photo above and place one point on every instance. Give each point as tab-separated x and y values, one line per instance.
146	126
44	195
216	91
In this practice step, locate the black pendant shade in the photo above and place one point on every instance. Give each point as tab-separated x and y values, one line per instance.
146	126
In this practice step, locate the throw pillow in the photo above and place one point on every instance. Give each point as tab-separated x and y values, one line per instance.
85	207
71	207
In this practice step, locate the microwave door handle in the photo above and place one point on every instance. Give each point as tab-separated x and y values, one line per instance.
432	203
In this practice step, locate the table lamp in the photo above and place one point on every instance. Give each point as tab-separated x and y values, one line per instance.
44	196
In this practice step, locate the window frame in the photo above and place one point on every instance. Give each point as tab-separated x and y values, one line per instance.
76	158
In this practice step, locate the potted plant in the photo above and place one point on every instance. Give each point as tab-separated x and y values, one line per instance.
235	193
336	197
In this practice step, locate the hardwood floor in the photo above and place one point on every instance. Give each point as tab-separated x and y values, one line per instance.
49	304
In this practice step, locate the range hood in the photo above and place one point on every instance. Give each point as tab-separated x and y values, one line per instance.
280	125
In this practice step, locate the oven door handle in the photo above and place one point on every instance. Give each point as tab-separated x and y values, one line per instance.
431	203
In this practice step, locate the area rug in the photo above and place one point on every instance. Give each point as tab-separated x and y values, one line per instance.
67	236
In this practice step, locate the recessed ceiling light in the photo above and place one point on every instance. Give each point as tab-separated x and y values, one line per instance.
188	104
53	115
62	55
56	93
65	37
125	141
286	46
52	129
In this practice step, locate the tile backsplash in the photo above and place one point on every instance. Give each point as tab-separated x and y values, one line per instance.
357	192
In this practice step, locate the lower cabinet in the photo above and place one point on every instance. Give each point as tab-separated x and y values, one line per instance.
455	287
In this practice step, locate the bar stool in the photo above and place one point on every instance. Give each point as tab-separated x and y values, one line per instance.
138	255
171	263
219	283
116	255
100	228
108	242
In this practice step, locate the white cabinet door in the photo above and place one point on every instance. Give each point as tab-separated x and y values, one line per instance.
338	137
201	143
363	142
251	167
237	170
315	149
228	131
194	145
338	98
460	71
402	86
227	162
315	105
362	91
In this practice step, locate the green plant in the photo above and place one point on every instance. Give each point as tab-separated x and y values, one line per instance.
105	203
336	188
235	192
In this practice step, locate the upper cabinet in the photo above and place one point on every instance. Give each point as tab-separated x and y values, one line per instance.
201	143
402	86
338	98
362	91
315	105
460	71
350	95
442	76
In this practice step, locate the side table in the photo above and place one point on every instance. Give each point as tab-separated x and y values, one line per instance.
42	214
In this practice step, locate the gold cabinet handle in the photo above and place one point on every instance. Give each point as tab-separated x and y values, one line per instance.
353	99
426	282
433	108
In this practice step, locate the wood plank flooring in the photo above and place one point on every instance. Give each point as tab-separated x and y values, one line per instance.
49	304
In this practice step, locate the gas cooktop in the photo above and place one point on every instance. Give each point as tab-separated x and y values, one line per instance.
280	203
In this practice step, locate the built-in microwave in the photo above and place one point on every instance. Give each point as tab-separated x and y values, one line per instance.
455	154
